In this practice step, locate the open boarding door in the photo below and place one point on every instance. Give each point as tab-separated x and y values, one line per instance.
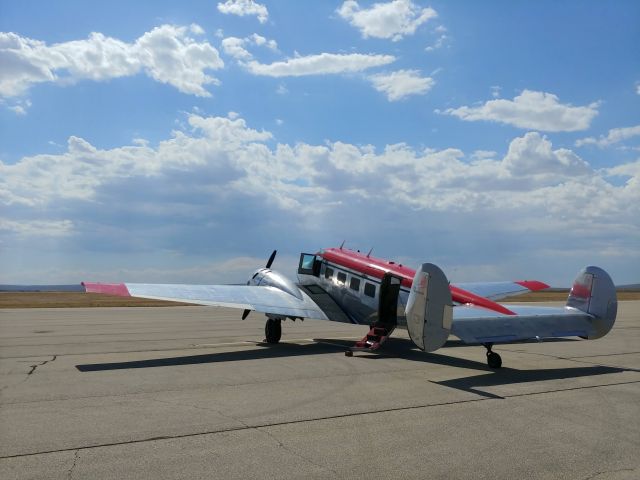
429	308
388	300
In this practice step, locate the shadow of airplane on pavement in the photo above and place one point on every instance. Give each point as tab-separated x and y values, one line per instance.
394	348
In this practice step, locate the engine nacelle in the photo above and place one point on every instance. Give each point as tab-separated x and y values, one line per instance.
266	277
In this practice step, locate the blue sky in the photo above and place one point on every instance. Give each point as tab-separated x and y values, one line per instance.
181	142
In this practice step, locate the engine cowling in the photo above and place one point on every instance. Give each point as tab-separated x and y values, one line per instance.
267	277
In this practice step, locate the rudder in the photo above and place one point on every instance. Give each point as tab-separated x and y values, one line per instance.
593	292
429	308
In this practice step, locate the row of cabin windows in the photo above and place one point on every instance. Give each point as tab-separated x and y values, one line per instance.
354	284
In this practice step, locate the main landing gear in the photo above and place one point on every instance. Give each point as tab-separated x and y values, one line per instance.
493	359
272	330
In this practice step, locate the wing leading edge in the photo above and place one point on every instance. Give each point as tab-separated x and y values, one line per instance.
265	299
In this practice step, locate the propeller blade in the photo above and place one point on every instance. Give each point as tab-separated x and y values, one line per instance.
271	258
245	314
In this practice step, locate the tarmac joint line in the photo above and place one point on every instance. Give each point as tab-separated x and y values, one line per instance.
482	396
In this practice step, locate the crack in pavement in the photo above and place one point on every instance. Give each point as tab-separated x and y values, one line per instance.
597	474
33	367
577	359
294	453
259	429
29	373
73	466
296	422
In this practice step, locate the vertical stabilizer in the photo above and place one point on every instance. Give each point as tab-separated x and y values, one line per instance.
429	308
593	292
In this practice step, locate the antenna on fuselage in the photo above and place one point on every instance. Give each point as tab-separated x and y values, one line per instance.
368	254
342	244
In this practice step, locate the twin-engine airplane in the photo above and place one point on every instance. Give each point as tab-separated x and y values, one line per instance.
342	285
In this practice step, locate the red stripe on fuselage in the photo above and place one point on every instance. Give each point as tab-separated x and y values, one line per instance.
376	267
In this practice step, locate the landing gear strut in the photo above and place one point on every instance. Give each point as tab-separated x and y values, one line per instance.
493	359
273	330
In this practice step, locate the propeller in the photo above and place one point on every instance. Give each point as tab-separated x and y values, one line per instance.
272	257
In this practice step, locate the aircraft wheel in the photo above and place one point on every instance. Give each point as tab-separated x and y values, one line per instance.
273	330
348	353
494	360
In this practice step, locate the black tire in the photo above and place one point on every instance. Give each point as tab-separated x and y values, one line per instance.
273	330
494	360
348	353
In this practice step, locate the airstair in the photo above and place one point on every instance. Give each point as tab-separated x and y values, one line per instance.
378	334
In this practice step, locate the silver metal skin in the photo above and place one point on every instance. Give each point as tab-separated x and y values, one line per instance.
339	295
589	318
267	299
602	303
429	308
267	277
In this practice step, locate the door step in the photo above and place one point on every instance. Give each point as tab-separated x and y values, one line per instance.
372	340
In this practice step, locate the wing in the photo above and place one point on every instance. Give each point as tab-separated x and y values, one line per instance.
498	290
265	299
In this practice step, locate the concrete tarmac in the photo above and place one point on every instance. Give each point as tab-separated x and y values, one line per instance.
191	392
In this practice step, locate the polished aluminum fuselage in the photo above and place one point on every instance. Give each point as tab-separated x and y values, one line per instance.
359	308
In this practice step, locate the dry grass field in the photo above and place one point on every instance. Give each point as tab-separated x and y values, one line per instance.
78	299
75	299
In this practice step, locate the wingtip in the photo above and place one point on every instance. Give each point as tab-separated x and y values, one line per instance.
533	285
119	289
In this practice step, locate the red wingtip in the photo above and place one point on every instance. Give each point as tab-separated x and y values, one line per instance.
533	285
119	289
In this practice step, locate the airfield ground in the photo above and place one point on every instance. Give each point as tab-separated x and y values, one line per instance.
190	392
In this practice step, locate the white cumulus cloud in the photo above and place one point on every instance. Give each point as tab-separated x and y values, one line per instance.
392	20
235	47
244	7
615	135
401	84
531	110
320	64
218	177
168	54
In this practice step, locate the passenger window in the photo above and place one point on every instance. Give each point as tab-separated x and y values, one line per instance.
328	273
355	284
342	278
369	290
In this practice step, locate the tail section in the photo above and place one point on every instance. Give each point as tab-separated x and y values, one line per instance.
429	308
593	292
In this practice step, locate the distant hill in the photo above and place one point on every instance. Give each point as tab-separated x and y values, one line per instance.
42	288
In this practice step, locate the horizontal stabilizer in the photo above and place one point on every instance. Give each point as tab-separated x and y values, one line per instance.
590	313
